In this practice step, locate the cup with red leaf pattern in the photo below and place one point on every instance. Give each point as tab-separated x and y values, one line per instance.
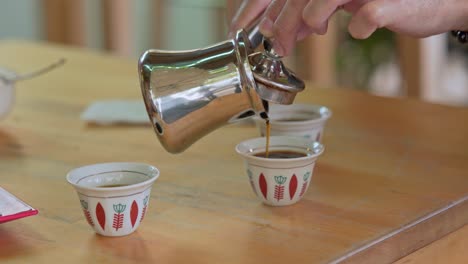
114	197
283	180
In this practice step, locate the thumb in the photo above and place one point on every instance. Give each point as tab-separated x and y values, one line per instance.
372	16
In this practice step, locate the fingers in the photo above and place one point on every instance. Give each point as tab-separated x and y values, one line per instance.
287	26
289	20
248	11
373	15
353	6
305	31
317	12
231	8
271	14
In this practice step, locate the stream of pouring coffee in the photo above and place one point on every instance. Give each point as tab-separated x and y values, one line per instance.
265	117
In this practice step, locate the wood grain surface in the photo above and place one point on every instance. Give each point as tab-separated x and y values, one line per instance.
393	178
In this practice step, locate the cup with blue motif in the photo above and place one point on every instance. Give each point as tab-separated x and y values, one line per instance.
114	197
282	174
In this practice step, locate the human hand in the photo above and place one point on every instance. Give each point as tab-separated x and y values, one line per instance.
286	21
240	13
282	21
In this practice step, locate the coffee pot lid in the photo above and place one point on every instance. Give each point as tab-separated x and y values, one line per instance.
275	82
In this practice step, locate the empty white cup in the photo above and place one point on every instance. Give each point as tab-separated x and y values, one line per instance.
303	120
114	196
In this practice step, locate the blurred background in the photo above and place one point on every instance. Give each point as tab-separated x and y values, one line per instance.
433	69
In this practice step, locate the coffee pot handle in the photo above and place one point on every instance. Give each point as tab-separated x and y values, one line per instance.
254	34
256	38
274	82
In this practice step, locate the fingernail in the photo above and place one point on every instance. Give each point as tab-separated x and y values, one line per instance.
360	29
322	29
266	27
279	49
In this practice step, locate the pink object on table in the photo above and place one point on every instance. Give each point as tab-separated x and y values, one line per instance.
12	208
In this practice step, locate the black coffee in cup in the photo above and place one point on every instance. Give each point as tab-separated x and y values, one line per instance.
281	154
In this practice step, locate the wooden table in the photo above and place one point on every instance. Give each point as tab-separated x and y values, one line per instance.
394	177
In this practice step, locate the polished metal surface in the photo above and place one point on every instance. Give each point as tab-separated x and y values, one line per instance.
188	94
254	34
275	82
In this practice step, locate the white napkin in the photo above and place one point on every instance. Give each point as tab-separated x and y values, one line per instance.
111	112
10	204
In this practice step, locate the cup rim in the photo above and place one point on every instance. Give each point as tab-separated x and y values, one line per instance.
151	171
324	112
315	147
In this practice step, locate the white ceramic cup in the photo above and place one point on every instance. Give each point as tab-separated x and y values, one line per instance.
114	211
7	93
303	120
280	182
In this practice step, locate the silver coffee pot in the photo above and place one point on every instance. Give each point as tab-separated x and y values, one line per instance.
190	93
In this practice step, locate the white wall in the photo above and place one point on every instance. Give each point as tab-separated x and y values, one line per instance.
94	28
21	19
192	24
189	24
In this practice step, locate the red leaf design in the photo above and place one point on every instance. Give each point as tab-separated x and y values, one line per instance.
292	186
101	216
279	192
118	221
263	185
134	213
